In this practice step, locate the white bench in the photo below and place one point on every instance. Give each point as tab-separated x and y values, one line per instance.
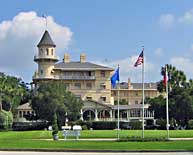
71	133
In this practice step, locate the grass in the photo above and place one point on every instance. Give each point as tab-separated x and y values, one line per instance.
33	140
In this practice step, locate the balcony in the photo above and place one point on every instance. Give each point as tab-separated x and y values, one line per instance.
37	77
75	77
51	57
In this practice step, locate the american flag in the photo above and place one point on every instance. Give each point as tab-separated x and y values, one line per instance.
139	59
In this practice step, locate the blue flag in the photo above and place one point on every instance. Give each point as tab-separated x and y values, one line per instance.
115	77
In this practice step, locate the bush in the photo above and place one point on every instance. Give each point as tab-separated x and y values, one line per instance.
161	123
135	125
190	124
6	120
25	126
101	125
55	125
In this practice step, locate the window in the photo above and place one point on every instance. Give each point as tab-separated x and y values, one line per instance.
89	85
103	99
41	51
102	86
136	102
41	71
125	93
89	73
136	94
77	85
102	73
89	98
47	51
115	93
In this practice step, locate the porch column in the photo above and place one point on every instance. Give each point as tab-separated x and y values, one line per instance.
96	115
81	115
127	114
111	115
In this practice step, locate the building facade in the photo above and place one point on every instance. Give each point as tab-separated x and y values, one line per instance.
91	82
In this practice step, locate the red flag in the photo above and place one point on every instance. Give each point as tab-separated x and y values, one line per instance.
165	80
165	77
139	59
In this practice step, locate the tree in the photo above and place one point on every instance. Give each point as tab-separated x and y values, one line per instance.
180	97
12	91
157	105
181	105
51	99
176	78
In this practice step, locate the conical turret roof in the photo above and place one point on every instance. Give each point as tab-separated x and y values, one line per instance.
46	40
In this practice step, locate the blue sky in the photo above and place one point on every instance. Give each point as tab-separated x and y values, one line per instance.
110	32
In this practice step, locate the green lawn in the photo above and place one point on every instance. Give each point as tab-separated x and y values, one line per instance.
33	139
97	134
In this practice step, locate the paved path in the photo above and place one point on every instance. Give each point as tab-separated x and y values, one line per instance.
92	153
180	138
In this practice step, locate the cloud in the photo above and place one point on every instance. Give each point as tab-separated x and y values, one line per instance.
183	64
166	21
18	40
187	17
159	52
127	69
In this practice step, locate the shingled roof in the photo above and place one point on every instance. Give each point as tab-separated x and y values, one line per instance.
46	40
80	66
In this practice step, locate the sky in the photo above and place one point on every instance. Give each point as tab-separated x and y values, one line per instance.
109	32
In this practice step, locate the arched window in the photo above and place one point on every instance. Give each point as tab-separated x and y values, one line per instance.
47	51
52	51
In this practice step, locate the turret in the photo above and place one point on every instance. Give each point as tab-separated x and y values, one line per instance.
46	57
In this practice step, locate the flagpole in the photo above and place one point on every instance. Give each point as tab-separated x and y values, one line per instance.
118	110
167	112
143	66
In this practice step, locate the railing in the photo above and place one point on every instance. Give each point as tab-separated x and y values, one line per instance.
36	57
75	77
42	77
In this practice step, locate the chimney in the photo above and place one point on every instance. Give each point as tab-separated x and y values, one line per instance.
66	58
129	83
82	58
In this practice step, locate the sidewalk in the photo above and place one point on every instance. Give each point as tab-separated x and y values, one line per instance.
174	139
106	139
95	139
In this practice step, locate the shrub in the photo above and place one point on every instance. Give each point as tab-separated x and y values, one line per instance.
6	120
55	125
135	124
190	124
25	126
101	125
161	123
